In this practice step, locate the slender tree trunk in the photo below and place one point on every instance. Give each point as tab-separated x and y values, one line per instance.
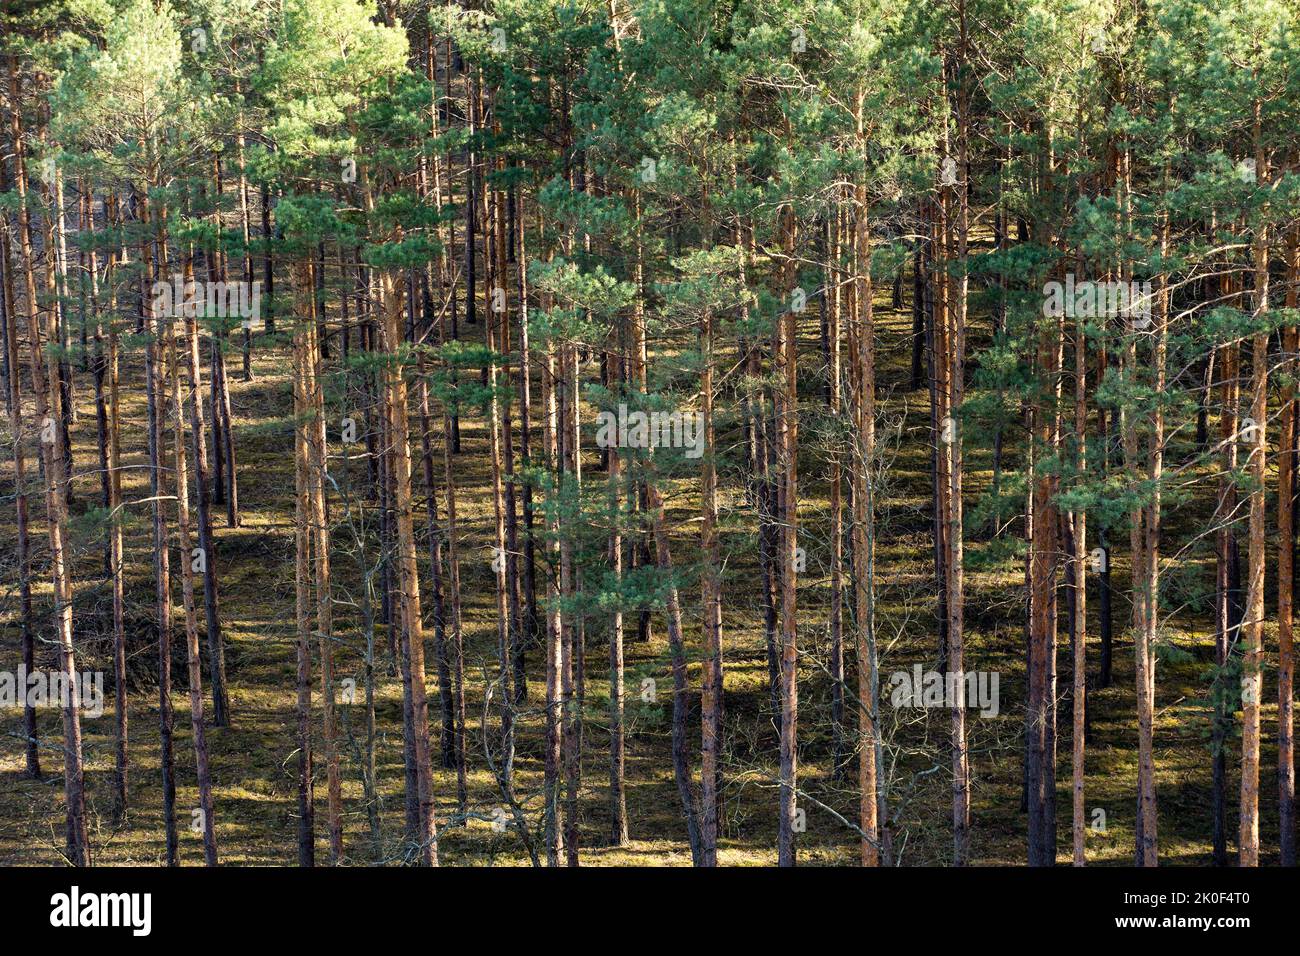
1252	660
154	378
302	571
188	558
532	619
117	569
554	621
859	299
617	783
677	655
211	599
442	658
1145	586
711	599
454	733
571	646
400	458
503	562
957	386
834	322
1080	629
314	415
1286	566
1224	583
1044	548
22	555
786	352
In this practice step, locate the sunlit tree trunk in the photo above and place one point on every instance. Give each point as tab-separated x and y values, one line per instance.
188	558
785	350
1286	565
302	567
711	599
22	553
413	628
211	601
314	415
1252	660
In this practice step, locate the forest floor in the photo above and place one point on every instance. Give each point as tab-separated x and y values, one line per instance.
254	761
